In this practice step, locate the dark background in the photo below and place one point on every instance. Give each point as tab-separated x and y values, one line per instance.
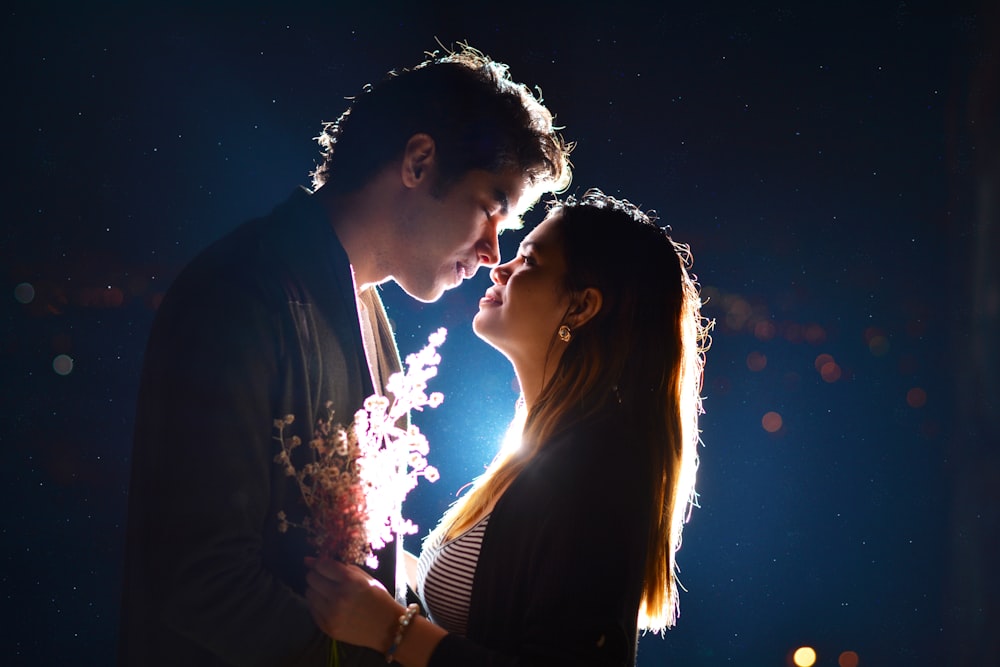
834	167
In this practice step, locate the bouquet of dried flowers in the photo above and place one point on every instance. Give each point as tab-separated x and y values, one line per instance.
355	486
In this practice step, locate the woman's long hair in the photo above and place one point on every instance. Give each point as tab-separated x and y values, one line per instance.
645	350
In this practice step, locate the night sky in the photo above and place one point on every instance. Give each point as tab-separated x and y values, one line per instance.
826	165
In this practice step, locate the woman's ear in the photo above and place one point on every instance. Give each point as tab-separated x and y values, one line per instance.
586	304
418	159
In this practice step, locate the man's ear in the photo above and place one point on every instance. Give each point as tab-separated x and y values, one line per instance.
418	159
586	304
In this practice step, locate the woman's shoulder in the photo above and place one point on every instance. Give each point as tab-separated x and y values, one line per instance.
603	450
596	436
591	473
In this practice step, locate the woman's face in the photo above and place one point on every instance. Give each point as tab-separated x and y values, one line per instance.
520	314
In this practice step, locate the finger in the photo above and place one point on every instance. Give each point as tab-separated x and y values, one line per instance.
375	583
316	600
330	569
319	609
321	585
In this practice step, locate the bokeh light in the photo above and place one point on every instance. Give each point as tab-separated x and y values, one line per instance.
107	296
738	311
848	659
804	656
878	342
756	361
771	422
62	364
815	334
792	332
822	360
916	397
828	368
24	293
764	330
830	372
908	364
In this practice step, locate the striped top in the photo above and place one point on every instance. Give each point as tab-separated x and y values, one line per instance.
444	577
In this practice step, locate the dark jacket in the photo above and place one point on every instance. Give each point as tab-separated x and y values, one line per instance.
559	577
262	324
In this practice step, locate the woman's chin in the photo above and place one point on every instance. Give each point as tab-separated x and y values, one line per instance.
480	329
483	333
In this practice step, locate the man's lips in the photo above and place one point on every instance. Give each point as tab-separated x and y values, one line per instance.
464	271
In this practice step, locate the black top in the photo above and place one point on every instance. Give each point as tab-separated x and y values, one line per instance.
559	578
262	324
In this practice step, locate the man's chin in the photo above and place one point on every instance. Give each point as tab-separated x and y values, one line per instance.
429	295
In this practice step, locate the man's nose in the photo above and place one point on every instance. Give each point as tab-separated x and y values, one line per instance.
488	251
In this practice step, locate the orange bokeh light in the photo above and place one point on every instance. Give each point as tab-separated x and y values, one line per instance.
830	372
873	332
793	332
815	333
848	659
764	330
771	422
877	340
916	397
822	360
756	361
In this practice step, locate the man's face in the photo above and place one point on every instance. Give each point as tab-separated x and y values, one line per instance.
446	237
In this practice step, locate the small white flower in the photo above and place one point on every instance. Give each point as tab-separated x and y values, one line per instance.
365	471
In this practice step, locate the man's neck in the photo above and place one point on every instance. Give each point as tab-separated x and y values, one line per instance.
358	222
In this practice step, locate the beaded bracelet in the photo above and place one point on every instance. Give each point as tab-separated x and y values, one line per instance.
404	623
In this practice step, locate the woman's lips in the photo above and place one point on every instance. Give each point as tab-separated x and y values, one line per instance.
491	298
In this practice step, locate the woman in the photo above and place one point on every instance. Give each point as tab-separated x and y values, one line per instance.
564	548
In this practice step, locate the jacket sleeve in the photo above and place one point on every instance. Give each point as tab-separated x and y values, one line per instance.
206	424
579	523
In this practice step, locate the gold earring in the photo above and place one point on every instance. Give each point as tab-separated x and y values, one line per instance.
565	334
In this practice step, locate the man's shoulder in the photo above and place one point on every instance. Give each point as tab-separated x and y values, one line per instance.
258	250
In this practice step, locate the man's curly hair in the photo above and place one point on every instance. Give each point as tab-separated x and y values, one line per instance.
477	115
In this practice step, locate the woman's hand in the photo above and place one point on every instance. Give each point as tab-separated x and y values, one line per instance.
350	606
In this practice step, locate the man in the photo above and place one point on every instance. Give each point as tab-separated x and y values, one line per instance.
281	316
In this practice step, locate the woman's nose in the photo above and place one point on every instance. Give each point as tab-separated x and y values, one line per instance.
499	274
